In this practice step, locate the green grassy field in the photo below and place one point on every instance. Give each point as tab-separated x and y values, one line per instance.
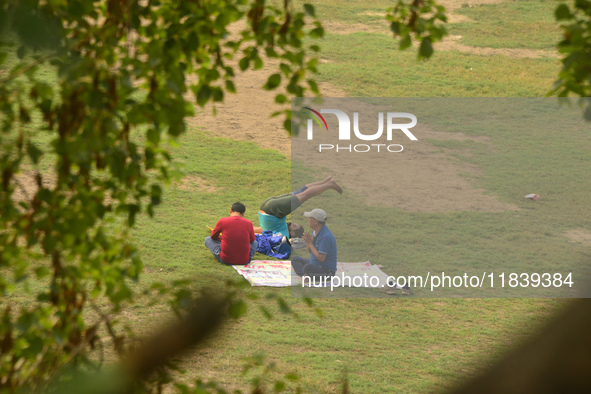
393	344
493	25
382	71
386	345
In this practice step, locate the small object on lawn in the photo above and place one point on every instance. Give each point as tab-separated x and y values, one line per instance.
407	290
534	197
388	290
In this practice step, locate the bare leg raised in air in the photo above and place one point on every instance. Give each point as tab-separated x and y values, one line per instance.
317	188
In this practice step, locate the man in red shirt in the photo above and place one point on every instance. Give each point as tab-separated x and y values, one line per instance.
237	245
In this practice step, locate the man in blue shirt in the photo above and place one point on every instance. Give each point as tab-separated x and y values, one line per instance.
322	247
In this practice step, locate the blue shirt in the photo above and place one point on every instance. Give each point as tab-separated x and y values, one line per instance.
326	244
274	224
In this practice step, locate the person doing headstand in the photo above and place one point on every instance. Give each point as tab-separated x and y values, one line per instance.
273	211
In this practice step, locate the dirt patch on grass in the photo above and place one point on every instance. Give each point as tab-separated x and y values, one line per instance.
451	17
580	236
451	5
246	115
350	28
423	178
193	183
457	18
451	43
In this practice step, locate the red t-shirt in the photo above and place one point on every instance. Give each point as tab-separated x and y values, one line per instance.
237	234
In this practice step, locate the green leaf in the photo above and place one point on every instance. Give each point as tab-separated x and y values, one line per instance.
238	309
217	94
287	125
203	95
253	296
153	136
43	297
292	376
266	312
309	9
562	13
426	49
313	86
133	209
42	272
258	62
405	42
279	386
270	51
285	69
280	99
273	81
33	152
155	194
35	347
317	32
395	27
283	307
230	86
138	114
244	63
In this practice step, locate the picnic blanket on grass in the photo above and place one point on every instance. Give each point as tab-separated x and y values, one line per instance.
278	273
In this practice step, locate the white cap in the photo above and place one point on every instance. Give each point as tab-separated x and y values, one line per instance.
317	214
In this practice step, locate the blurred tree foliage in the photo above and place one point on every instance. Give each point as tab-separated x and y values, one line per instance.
121	92
422	19
575	76
126	75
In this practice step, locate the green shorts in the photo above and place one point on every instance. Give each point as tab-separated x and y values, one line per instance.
280	206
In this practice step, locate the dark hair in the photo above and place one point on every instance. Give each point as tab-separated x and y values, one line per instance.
238	207
296	233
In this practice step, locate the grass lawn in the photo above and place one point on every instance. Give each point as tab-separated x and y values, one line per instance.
394	344
493	25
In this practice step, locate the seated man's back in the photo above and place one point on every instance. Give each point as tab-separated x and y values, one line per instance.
237	234
232	240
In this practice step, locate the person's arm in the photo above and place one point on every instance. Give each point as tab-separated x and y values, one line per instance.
251	232
215	233
258	230
312	249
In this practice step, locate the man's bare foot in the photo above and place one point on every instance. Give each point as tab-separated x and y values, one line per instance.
334	185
